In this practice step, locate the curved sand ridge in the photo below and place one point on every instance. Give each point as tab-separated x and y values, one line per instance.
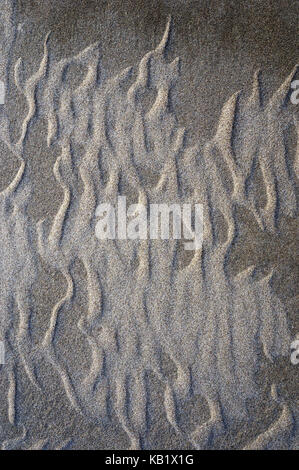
144	298
17	263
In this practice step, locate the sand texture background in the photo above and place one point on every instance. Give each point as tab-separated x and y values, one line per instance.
141	344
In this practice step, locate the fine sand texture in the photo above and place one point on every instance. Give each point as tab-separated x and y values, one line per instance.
129	344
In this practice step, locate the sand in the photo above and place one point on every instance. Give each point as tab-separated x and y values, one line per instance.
141	344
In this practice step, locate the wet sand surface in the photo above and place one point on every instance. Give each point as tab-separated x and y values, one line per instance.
144	344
